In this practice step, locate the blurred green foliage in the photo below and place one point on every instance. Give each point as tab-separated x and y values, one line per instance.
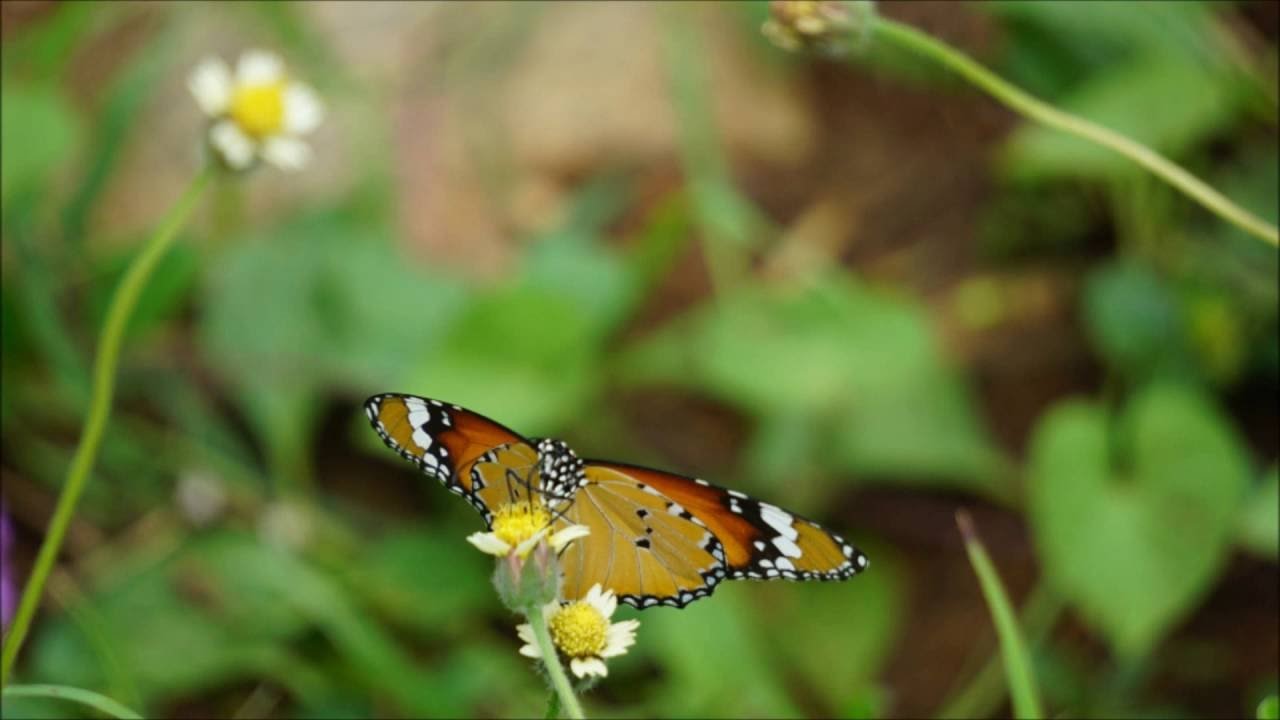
252	348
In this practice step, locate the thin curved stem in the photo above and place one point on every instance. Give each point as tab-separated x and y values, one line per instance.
1018	100
104	374
559	681
101	703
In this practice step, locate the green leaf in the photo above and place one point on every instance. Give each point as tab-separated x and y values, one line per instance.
838	635
1269	708
1258	528
1134	516
391	576
715	659
230	607
322	299
222	621
1133	319
530	352
860	364
38	131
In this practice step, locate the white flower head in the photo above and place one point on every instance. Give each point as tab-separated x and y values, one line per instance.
582	632
257	111
519	527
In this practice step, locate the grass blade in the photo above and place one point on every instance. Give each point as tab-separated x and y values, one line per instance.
1017	665
101	703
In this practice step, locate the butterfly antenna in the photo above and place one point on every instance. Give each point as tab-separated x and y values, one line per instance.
513	491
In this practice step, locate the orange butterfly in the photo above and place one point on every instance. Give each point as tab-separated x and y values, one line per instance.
656	538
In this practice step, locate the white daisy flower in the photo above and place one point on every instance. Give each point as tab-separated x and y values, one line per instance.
582	632
257	111
518	527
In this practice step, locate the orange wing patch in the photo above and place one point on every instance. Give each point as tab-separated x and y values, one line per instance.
443	440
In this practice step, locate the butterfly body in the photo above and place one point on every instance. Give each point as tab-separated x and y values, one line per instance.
656	538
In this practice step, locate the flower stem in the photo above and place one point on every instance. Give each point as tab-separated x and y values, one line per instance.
101	703
559	681
909	38
104	371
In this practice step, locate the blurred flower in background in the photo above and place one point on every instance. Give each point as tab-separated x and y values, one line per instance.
582	632
8	591
830	26
257	111
200	497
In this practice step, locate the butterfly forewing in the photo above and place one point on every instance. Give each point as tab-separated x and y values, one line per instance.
444	440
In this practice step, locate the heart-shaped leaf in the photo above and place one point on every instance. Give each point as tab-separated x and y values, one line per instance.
1133	520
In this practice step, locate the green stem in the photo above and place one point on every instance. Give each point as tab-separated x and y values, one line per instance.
909	38
101	703
104	371
559	681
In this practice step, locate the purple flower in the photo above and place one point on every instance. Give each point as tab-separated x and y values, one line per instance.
8	591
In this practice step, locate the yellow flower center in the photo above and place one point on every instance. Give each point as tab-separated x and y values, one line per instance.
517	522
579	630
259	109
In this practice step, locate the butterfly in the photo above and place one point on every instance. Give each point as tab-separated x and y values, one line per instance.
657	538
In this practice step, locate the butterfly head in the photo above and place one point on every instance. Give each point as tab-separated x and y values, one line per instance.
561	469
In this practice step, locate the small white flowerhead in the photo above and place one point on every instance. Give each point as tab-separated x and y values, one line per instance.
582	632
257	111
519	527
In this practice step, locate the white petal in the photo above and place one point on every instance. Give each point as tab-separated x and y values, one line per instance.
608	603
210	85
551	609
231	142
259	67
568	535
286	153
303	110
620	636
531	650
489	543
603	601
583	667
525	632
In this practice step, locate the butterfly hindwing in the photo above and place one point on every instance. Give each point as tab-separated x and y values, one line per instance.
643	546
745	537
446	442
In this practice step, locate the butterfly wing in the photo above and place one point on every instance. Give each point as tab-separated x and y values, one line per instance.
659	538
467	452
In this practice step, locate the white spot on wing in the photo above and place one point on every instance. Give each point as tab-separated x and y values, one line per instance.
779	520
787	547
422	439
